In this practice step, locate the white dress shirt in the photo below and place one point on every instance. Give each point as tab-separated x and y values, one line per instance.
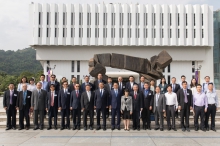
88	94
171	99
31	87
132	84
212	97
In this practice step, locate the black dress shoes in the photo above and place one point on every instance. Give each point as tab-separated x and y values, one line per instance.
98	128
78	127
61	128
187	129
20	128
174	129
183	129
74	127
91	128
169	129
41	128
8	128
138	129
213	129
196	129
207	128
156	128
48	128
13	128
85	128
55	127
119	128
161	129
113	128
104	128
149	128
35	128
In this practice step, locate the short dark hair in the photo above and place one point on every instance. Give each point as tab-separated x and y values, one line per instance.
53	75
173	77
184	82
101	82
65	82
152	80
210	84
183	76
52	85
207	76
142	76
88	85
126	90
63	78
157	87
130	76
84	77
31	79
25	78
11	83
99	73
115	83
198	85
42	75
147	83
169	86
109	77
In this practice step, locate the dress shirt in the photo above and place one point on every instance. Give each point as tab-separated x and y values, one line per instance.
110	86
157	97
152	88
171	99
142	85
120	85
88	94
11	94
52	98
193	90
173	86
32	87
20	86
24	97
146	91
132	84
52	82
181	87
101	92
200	99
212	97
205	87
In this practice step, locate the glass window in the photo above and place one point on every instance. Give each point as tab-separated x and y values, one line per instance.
73	62
78	66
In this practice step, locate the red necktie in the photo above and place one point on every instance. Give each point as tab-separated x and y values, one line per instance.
77	94
135	95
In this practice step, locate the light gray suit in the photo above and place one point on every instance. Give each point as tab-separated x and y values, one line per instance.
127	104
39	101
158	110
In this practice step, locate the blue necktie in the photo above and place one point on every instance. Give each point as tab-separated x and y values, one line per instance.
101	93
116	93
24	97
146	92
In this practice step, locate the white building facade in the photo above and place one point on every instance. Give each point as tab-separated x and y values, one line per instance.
68	35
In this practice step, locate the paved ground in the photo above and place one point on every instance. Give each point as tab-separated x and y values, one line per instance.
108	138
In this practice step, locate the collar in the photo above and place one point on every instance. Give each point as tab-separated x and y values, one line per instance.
25	91
198	92
158	94
170	92
11	90
131	82
147	89
210	91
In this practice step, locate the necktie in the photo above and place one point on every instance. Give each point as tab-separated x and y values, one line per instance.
88	95
157	100
120	85
173	87
77	94
116	93
135	95
145	92
186	100
11	96
110	86
24	97
101	92
52	99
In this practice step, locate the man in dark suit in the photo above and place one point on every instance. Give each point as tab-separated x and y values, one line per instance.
100	104
108	87
115	105
38	105
141	84
184	97
83	86
96	82
53	81
175	89
9	104
52	106
87	105
130	84
159	108
137	107
64	105
75	106
72	84
23	105
121	85
148	98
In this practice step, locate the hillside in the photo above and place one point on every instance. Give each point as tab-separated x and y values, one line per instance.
16	62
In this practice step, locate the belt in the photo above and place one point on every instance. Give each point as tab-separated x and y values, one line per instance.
211	104
170	105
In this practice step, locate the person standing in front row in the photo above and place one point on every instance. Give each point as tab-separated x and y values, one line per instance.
200	105
115	106
212	107
171	107
75	106
184	96
126	108
64	106
38	105
9	104
100	104
148	99
52	106
175	88
87	105
24	105
137	100
159	108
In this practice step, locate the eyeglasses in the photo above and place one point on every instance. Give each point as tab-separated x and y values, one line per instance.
52	77
77	86
64	84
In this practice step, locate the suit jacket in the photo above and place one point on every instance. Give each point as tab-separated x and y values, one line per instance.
163	90
115	101
75	102
161	103
126	103
55	96
128	86
107	88
71	87
96	84
20	100
101	101
85	103
147	99
177	87
140	89
6	98
83	87
138	102
181	98
39	102
64	100
122	88
57	86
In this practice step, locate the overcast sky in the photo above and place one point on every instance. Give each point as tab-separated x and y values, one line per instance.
14	17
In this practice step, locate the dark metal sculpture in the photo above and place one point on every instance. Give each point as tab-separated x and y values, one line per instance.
149	69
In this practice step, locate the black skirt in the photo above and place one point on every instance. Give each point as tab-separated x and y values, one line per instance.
126	114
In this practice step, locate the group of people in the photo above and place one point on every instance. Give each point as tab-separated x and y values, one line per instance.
129	101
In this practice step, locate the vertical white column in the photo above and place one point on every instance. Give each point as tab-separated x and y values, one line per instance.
44	24
109	24
197	27
210	26
157	10
84	26
117	24
182	24
31	24
60	25
149	25
76	21
173	27
52	24
101	11
69	12
93	11
165	27
133	25
190	25
37	39
141	41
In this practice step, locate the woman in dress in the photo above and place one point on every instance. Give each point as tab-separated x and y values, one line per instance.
126	108
193	85
31	87
163	85
23	81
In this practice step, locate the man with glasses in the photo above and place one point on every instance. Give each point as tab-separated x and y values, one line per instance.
64	105
53	81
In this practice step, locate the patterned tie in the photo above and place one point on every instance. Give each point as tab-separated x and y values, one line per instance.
186	100
52	99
